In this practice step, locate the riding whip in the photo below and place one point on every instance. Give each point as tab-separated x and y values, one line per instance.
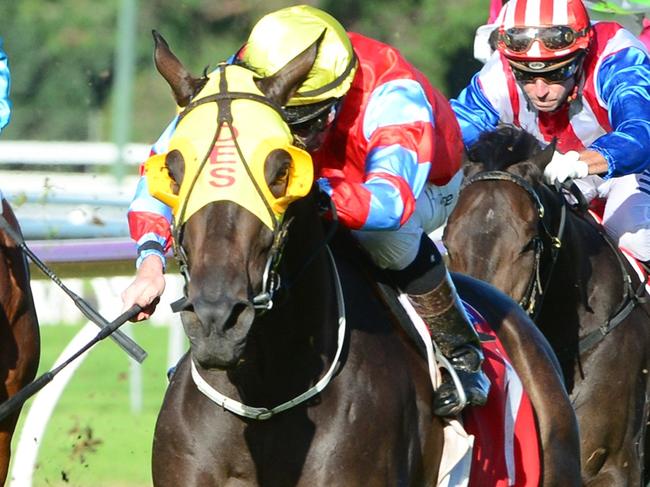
16	401
129	346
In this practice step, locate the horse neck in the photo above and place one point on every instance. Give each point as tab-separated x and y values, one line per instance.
310	293
301	328
586	269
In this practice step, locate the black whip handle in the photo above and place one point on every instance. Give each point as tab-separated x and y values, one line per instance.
15	402
128	345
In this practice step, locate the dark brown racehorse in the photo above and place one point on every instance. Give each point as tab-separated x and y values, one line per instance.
371	424
19	334
515	232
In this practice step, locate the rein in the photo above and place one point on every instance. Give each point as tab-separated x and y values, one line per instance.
261	413
534	293
271	278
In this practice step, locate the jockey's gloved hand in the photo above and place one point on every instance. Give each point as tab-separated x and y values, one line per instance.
565	166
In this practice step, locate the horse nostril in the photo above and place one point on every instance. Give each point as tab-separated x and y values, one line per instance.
223	315
238	310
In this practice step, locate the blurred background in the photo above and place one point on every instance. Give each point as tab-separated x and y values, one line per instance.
87	103
63	53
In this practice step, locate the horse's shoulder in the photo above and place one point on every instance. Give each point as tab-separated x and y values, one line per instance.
370	290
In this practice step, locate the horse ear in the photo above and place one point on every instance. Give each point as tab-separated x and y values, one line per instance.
176	168
182	83
281	86
543	157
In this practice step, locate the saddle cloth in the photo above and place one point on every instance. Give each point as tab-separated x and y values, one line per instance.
506	445
497	444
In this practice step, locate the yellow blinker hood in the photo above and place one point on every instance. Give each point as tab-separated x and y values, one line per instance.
216	167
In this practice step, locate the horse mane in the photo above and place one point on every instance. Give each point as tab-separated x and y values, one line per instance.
503	147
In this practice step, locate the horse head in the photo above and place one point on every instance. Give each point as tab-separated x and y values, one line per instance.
499	218
229	176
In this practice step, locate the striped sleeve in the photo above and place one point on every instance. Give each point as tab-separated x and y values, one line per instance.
397	126
149	219
623	84
474	112
5	84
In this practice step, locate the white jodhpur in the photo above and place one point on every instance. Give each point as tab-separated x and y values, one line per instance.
396	249
627	210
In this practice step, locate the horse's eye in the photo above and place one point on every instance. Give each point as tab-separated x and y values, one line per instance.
281	175
277	171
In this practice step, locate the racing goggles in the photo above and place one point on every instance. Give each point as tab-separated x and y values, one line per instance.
528	72
307	120
554	38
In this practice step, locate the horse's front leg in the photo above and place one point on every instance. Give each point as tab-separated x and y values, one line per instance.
7	427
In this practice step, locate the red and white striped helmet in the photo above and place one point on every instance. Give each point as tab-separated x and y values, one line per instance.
543	29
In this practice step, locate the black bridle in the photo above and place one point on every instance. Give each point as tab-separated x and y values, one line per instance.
535	291
534	294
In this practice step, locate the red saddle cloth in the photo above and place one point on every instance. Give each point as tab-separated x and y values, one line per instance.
506	446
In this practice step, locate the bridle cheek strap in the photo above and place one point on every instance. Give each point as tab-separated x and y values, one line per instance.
271	280
535	290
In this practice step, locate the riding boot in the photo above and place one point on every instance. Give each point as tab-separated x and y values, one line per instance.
453	332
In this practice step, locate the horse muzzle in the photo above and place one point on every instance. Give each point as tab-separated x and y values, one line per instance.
218	331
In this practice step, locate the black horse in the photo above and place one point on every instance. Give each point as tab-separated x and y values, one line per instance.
515	232
314	384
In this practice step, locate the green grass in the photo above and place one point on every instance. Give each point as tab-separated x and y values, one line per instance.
93	439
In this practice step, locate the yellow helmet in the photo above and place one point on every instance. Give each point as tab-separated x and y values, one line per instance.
281	35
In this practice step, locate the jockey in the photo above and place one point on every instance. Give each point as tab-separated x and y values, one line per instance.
5	84
557	76
387	151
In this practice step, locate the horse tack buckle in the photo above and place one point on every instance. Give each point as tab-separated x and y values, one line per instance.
264	415
270	284
263	301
